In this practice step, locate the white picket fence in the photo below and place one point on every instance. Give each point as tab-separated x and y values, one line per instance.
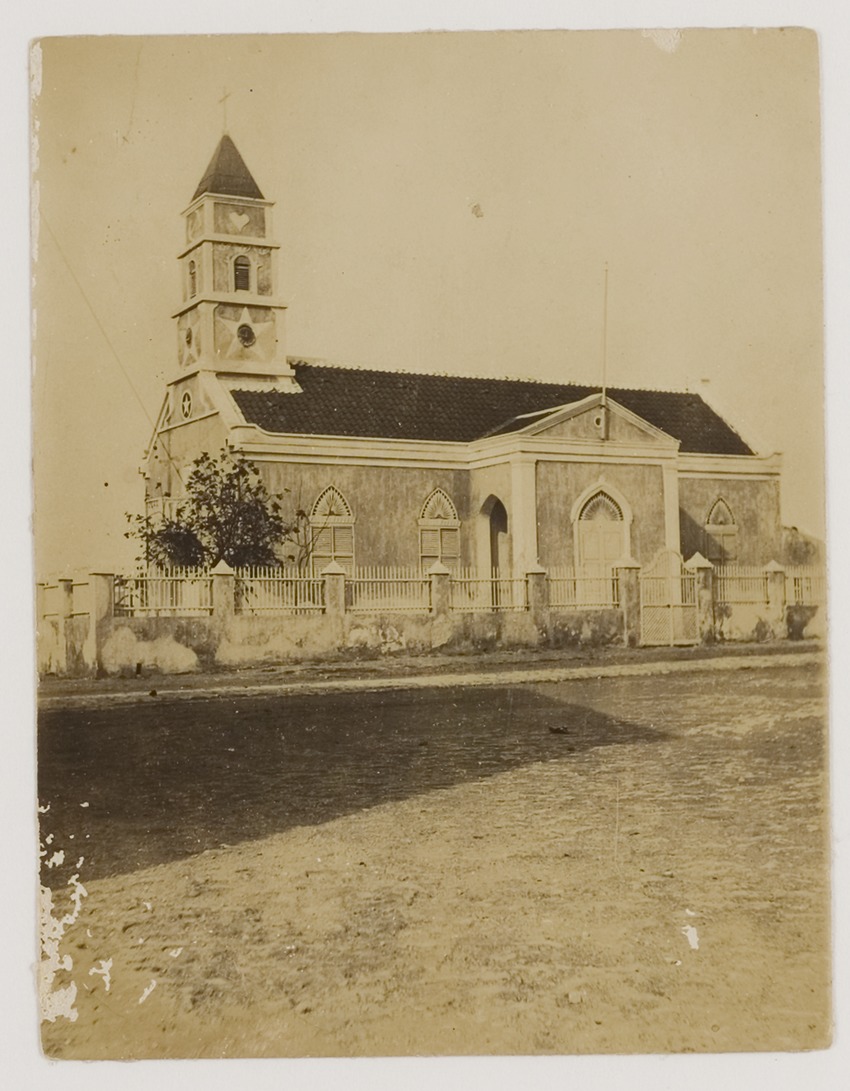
172	592
277	591
571	589
473	593
387	589
805	586
188	592
738	584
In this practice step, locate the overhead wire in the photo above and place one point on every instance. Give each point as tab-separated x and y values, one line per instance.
106	338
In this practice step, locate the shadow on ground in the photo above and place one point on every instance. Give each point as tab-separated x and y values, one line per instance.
146	784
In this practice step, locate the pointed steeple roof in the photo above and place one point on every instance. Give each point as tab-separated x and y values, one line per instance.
227	174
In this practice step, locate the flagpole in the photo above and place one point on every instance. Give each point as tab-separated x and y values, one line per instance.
605	341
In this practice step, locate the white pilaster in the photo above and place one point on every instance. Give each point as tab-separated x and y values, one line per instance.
672	532
522	522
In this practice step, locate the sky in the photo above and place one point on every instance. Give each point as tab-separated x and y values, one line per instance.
444	202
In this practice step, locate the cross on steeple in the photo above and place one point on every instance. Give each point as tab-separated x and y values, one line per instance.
223	102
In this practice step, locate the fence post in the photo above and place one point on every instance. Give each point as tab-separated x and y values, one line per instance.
775	577
65	612
627	572
703	569
41	636
223	592
101	609
538	596
334	576
440	578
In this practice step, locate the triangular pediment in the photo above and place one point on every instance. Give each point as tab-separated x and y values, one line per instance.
588	421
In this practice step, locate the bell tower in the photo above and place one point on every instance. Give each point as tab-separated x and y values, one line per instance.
230	320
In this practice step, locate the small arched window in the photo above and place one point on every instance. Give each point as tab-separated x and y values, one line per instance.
193	279
439	532
242	274
332	532
720	534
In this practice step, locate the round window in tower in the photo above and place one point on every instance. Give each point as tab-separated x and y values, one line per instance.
186	405
246	336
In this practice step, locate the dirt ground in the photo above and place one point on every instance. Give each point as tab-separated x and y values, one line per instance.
650	876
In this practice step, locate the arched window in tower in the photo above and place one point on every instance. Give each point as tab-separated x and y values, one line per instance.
439	532
193	279
720	534
242	274
331	532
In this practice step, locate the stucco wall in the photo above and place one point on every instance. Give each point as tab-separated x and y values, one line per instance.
179	447
559	484
170	645
592	627
239	219
224	254
485	484
386	503
49	633
583	427
754	505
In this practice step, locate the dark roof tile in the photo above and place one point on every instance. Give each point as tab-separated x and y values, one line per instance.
227	174
339	401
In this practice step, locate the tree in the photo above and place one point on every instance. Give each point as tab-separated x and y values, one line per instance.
799	548
227	515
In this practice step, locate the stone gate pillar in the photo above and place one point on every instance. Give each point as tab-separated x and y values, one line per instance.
223	592
65	613
775	576
440	578
334	576
441	604
627	572
538	597
101	609
704	571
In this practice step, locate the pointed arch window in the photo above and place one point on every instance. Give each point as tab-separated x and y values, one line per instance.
602	507
439	532
720	534
193	279
601	533
242	274
332	532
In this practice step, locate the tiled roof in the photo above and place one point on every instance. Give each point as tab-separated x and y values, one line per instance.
227	173
338	401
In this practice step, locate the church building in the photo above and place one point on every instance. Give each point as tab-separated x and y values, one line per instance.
396	468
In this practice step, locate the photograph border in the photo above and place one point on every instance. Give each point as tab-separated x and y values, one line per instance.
19	1024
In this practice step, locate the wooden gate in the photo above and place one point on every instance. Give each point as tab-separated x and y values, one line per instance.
668	602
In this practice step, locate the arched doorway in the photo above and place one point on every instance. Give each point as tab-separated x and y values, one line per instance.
498	537
493	544
601	540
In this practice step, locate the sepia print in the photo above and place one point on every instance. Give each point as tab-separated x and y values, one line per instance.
429	523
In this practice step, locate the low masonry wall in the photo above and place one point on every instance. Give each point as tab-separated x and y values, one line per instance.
594	627
83	629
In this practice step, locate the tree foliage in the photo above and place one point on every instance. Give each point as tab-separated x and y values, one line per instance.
799	548
227	515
